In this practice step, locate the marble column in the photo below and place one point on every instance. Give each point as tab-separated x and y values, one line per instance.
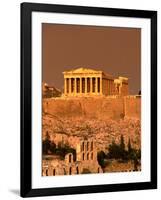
110	87
75	85
85	85
100	85
65	85
69	85
80	85
96	85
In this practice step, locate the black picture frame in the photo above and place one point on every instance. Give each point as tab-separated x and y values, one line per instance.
26	96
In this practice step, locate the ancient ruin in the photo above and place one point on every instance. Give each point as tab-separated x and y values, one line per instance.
85	161
92	111
89	82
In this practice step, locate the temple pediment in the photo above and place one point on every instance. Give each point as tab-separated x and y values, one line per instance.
82	70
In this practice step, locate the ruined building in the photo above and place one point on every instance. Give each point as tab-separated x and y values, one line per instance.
50	91
85	162
89	82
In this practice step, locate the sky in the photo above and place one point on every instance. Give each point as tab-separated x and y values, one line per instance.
116	51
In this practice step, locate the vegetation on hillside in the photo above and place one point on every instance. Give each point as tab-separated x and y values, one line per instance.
50	148
119	152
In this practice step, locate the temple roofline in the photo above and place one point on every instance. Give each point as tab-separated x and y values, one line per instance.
82	70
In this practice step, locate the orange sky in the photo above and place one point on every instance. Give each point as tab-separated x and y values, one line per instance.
113	50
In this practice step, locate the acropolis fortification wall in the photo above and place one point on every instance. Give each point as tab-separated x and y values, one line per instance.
113	107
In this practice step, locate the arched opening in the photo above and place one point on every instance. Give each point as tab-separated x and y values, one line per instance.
87	156
64	171
83	156
70	170
46	172
83	146
87	146
54	171
91	156
77	169
70	158
91	146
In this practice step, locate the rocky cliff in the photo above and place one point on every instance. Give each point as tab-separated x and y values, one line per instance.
103	119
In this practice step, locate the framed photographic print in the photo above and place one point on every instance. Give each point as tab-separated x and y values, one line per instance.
88	99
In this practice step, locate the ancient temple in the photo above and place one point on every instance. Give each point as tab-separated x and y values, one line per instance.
89	82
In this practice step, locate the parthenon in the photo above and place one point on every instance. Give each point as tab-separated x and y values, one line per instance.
89	82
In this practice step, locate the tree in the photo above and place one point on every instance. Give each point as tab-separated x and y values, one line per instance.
129	146
114	151
101	158
117	151
64	149
131	151
123	153
136	162
46	146
52	147
122	144
139	154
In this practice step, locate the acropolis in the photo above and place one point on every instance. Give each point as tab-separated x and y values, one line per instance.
89	82
81	121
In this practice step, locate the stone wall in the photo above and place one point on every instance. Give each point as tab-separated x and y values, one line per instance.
86	159
132	106
113	107
120	166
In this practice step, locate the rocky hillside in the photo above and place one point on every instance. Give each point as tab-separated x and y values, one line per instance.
103	131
